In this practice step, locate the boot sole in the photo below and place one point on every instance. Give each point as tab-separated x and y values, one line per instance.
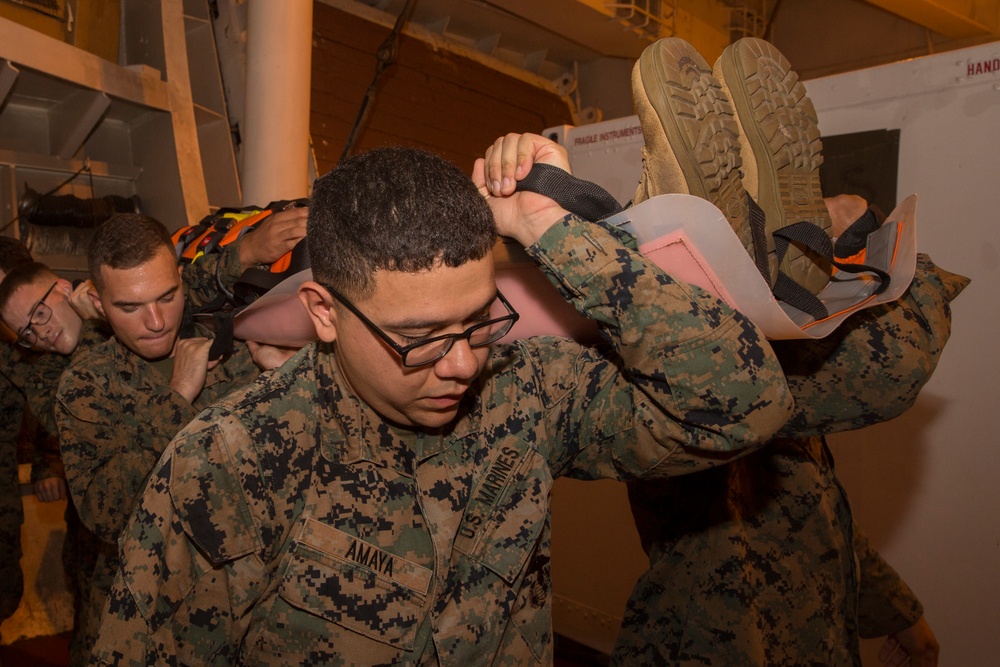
696	121
782	150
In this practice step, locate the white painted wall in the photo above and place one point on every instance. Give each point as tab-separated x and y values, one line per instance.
926	487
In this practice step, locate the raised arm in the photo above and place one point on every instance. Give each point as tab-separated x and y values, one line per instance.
688	382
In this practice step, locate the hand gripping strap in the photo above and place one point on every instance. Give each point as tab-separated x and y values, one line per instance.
222	325
582	198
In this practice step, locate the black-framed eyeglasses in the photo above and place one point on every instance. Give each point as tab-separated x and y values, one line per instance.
40	314
431	349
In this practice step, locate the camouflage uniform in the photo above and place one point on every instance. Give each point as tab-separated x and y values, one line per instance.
11	511
90	557
115	414
38	375
759	562
18	370
290	524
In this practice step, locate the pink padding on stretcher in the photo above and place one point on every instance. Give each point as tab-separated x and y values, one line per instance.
278	317
676	251
685	236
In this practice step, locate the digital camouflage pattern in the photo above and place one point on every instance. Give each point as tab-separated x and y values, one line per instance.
289	524
759	562
11	510
38	375
872	367
212	275
18	370
92	561
116	414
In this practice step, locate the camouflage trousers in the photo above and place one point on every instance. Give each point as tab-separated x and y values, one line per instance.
82	552
11	510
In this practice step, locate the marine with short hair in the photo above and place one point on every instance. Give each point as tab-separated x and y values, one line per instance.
383	497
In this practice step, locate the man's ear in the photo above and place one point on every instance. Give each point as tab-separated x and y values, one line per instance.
95	299
319	304
64	286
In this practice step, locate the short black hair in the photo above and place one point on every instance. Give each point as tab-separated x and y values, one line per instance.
125	241
12	253
395	209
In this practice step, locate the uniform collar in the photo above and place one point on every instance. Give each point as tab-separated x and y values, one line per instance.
351	431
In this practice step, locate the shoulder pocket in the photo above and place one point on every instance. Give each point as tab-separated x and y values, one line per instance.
507	511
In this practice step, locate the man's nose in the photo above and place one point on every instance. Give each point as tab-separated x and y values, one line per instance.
44	331
461	362
154	318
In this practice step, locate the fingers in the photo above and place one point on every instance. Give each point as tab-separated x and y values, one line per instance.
269	356
506	162
510	158
844	210
82	289
288	226
190	366
916	646
893	653
276	235
191	348
50	490
479	176
82	300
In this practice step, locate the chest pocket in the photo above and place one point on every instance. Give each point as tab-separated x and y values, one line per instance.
507	511
356	585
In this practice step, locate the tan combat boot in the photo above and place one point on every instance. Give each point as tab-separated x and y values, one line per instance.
690	131
781	148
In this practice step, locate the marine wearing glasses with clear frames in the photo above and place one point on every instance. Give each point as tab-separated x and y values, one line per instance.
428	351
40	314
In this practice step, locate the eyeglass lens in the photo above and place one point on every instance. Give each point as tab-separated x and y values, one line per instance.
488	332
39	315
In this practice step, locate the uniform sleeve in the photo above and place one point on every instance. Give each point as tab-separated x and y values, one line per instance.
45	460
236	371
886	605
873	366
14	364
107	450
40	378
213	275
186	583
687	382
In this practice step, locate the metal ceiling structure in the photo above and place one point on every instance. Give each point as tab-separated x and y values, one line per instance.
551	37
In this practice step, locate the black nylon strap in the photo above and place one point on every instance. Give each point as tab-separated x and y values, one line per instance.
758	232
884	277
223	342
808	235
854	239
583	198
804	234
796	295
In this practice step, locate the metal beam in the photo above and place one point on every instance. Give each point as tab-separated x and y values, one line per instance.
954	19
73	119
8	75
